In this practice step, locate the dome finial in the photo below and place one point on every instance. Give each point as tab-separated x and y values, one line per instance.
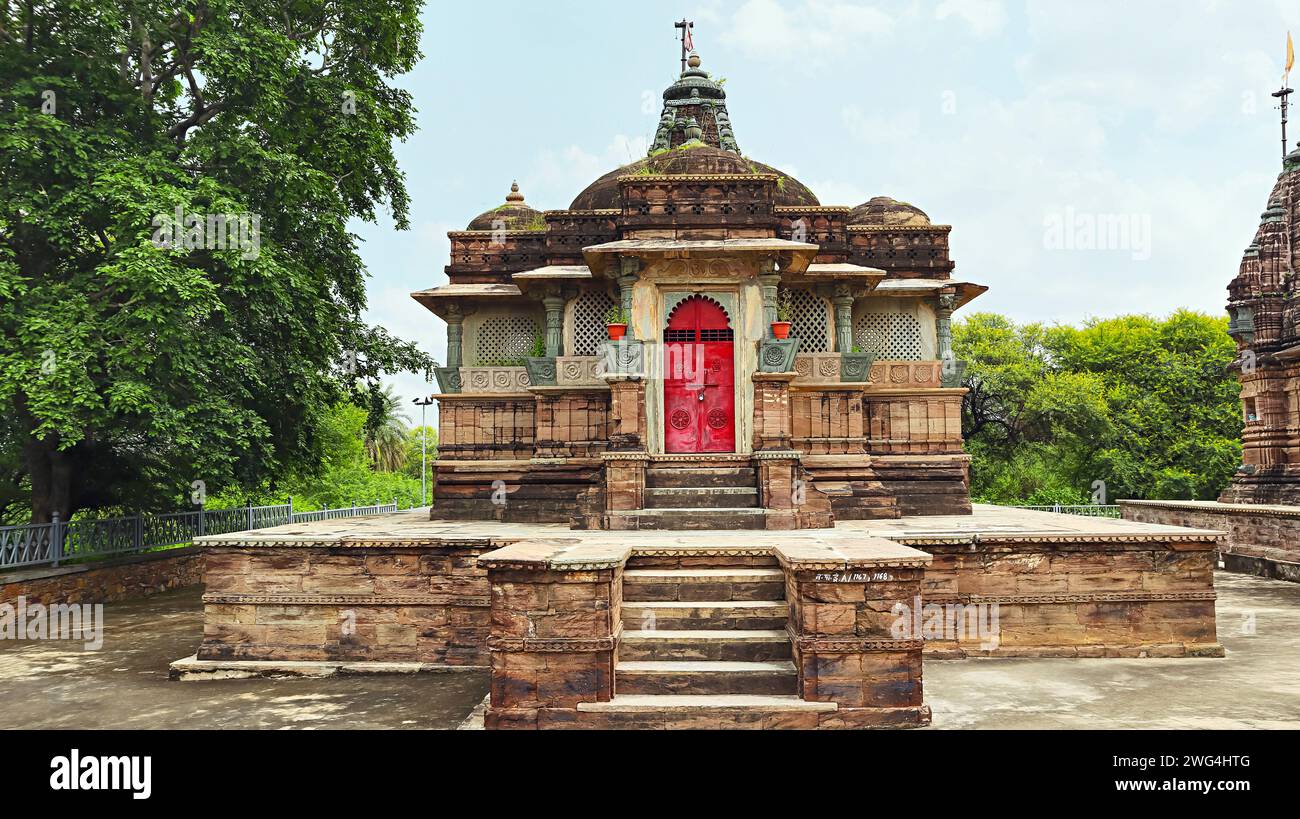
694	60
514	195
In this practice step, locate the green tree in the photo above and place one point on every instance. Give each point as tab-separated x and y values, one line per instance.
413	447
386	431
1145	405
343	476
133	363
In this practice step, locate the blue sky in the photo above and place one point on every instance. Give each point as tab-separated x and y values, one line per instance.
1004	119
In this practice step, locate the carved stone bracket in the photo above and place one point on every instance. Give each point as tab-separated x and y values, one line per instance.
856	367
777	355
621	359
541	371
449	380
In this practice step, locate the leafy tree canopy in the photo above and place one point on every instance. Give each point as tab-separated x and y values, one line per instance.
1145	405
139	355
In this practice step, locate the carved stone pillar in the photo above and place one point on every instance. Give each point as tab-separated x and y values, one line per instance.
629	272
554	304
853	616
772	411
947	302
627	421
555	625
624	483
843	302
455	333
770	281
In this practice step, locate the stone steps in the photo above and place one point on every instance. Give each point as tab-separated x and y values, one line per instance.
723	645
764	615
705	677
703	711
688	477
644	585
689	518
701	497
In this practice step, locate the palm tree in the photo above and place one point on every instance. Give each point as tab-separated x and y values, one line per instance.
386	431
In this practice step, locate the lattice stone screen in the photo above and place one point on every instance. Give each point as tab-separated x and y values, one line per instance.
809	322
589	331
504	340
891	336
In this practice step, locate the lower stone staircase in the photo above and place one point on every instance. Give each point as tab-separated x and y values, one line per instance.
705	646
697	497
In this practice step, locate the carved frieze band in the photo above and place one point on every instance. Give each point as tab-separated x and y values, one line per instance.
1004	539
494	379
1092	597
552	645
347	600
804	566
578	371
824	368
853	645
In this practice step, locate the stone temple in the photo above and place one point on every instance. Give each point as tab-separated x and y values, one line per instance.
705	522
700	417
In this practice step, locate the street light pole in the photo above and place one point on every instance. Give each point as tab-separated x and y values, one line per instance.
423	404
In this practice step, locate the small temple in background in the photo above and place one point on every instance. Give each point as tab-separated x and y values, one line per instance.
1260	508
785	363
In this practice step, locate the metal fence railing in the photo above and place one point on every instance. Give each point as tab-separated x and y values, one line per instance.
58	542
1091	510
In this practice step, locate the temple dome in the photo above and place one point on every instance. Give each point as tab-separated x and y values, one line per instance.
690	159
515	214
882	210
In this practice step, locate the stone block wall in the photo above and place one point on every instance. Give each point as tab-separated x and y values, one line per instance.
519	491
1260	540
921	422
106	581
1139	595
418	603
486	427
572	424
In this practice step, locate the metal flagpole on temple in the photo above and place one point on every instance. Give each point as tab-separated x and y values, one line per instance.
1284	92
686	26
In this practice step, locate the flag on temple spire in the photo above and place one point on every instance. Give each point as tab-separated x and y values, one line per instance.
689	42
1290	58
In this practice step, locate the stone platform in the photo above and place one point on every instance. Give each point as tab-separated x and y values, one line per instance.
1261	539
759	629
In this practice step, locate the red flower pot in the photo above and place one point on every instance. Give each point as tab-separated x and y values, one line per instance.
781	329
616	331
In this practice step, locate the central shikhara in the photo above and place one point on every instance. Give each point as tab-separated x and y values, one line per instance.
846	436
856	415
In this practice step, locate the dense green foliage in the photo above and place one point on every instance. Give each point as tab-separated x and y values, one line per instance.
131	365
346	474
1147	406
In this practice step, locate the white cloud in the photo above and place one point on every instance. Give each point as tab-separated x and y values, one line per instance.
985	17
877	128
774	30
563	174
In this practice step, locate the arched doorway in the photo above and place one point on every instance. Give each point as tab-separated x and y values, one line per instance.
699	379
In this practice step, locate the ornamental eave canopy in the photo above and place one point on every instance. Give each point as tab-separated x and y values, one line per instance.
437	299
793	257
966	291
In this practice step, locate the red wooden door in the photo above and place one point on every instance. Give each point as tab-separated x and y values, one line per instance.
699	379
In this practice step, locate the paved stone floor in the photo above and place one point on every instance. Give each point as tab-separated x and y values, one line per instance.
1257	685
125	685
